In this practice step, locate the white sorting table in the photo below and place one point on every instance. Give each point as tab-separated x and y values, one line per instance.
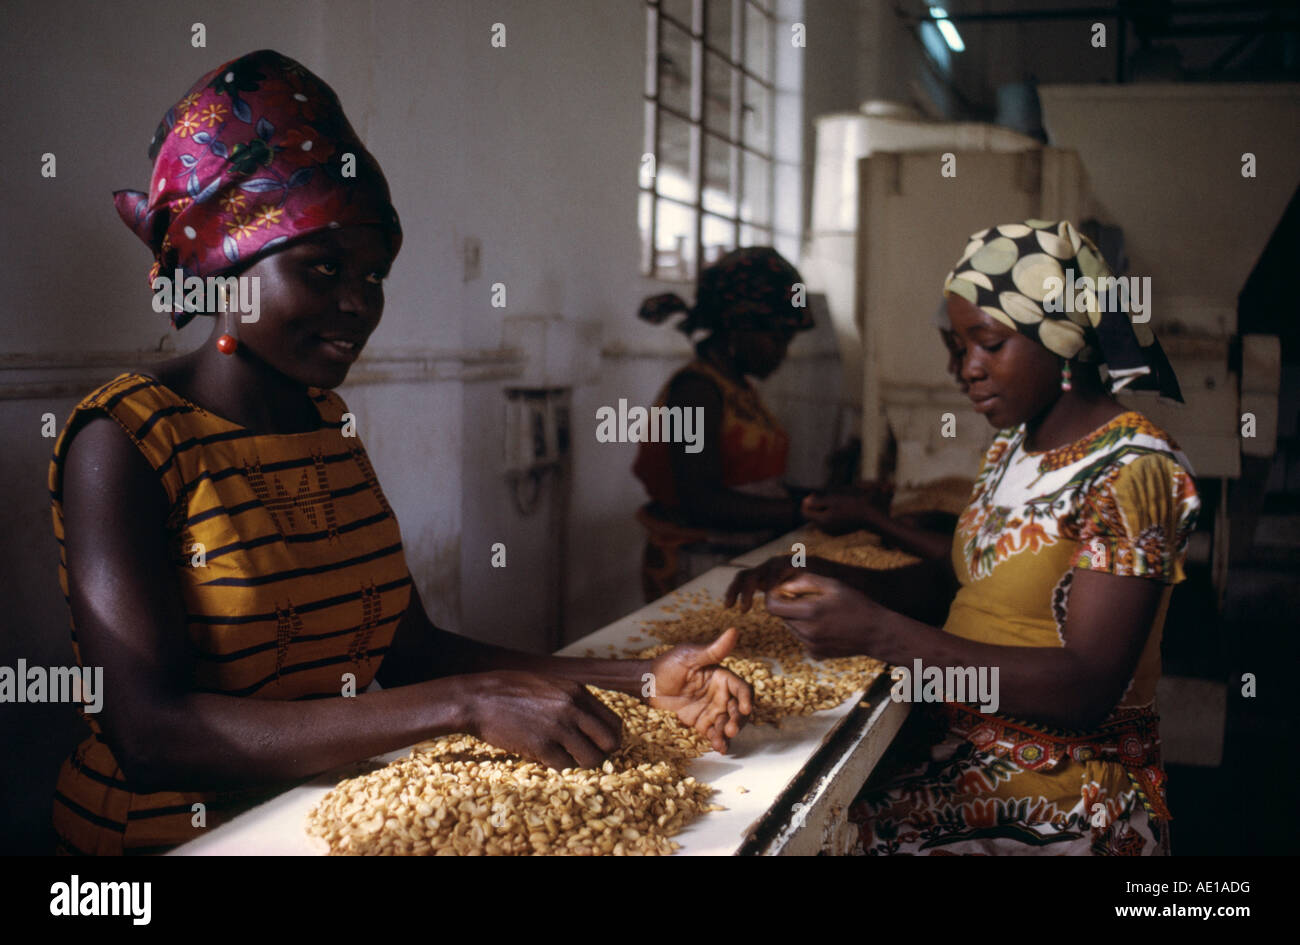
799	778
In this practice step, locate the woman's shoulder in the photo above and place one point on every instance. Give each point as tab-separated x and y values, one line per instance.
1131	437
135	401
1140	451
697	367
1139	504
132	389
1126	437
1128	446
147	413
1135	425
1137	470
692	380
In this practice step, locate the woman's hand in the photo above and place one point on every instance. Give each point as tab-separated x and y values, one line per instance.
840	511
773	572
829	617
542	718
687	680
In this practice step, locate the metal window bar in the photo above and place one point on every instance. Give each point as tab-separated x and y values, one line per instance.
721	136
697	129
651	140
737	108
732	58
739	71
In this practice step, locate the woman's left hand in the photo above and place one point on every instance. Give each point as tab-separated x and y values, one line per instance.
839	511
829	617
687	680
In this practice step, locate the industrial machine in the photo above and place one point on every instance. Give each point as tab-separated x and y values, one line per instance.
1194	176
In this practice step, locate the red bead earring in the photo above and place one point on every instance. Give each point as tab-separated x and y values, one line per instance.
1066	383
227	343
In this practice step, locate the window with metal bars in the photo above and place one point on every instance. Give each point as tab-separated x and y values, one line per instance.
707	172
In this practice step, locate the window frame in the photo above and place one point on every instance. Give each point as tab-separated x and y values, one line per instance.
702	134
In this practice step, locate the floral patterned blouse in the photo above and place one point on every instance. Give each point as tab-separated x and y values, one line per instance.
1121	500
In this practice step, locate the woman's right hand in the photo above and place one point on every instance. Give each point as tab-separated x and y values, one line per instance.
541	718
776	571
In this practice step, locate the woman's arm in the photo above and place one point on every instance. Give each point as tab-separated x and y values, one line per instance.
131	621
685	680
930	545
922	591
841	511
1074	686
422	651
698	476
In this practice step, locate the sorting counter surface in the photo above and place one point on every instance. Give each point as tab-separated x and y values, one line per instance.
797	779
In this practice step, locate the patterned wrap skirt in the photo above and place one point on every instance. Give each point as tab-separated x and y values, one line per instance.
951	797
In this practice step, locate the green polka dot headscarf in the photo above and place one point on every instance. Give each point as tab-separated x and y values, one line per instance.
1020	275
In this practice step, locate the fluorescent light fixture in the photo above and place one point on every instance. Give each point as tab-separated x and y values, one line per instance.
950	34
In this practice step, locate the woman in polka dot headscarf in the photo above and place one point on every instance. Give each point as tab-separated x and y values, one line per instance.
1066	554
1049	282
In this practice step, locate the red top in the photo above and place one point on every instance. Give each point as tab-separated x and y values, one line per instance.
754	445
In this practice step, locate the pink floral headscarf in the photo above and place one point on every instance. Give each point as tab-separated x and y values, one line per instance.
258	153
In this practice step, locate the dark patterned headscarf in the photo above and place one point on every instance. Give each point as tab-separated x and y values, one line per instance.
752	288
1007	272
257	153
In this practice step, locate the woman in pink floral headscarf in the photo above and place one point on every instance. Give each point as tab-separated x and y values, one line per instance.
230	560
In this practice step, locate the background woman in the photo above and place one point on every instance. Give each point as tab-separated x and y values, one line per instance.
227	553
920	524
729	497
1075	532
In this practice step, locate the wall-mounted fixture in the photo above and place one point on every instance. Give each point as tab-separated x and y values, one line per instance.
536	440
536	428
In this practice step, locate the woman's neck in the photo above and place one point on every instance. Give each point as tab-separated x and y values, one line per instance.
1072	416
248	391
712	351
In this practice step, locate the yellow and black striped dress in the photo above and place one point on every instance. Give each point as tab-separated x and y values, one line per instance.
305	581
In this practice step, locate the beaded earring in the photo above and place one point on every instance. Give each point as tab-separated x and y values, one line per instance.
1066	383
227	343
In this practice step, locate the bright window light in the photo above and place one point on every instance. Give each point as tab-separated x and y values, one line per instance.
950	34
